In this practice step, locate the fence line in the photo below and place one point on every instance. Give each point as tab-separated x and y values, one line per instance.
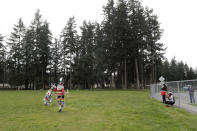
179	89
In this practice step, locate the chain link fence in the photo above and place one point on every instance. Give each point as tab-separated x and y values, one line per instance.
180	91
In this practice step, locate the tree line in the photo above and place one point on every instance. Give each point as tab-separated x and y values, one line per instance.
123	51
176	70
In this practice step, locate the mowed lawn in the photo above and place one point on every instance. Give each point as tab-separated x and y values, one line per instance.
115	110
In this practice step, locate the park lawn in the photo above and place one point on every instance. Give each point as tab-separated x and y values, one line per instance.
106	110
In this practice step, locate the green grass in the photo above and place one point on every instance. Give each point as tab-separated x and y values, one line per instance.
193	104
114	110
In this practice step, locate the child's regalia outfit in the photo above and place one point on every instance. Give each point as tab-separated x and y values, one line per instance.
60	96
48	98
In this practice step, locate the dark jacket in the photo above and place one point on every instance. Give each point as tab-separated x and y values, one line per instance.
164	88
191	90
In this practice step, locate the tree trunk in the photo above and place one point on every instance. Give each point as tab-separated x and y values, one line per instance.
34	85
137	73
142	75
64	70
42	79
134	75
112	80
3	79
26	84
153	74
84	84
70	72
122	78
125	73
115	79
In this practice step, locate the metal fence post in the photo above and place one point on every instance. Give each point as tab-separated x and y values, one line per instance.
179	93
157	87
151	90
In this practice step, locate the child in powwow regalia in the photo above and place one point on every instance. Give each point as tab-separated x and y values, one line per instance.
59	89
48	97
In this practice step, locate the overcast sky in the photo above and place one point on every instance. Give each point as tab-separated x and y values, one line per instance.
179	20
177	17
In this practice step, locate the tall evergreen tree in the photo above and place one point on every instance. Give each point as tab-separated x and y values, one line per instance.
41	39
15	53
2	60
69	47
2	49
55	61
180	71
173	70
87	55
109	37
165	70
28	61
152	36
100	64
123	49
137	25
191	74
123	39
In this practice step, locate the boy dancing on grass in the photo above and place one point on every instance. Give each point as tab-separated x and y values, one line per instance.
59	89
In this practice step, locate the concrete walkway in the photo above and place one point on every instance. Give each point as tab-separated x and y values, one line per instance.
181	100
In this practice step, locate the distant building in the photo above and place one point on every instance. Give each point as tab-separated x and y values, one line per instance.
5	86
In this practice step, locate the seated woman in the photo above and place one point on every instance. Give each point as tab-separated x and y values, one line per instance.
171	99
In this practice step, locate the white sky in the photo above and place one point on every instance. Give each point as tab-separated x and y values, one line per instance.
179	20
177	17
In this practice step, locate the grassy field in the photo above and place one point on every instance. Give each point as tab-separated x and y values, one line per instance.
91	111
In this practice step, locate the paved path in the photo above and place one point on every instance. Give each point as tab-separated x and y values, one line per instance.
183	102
